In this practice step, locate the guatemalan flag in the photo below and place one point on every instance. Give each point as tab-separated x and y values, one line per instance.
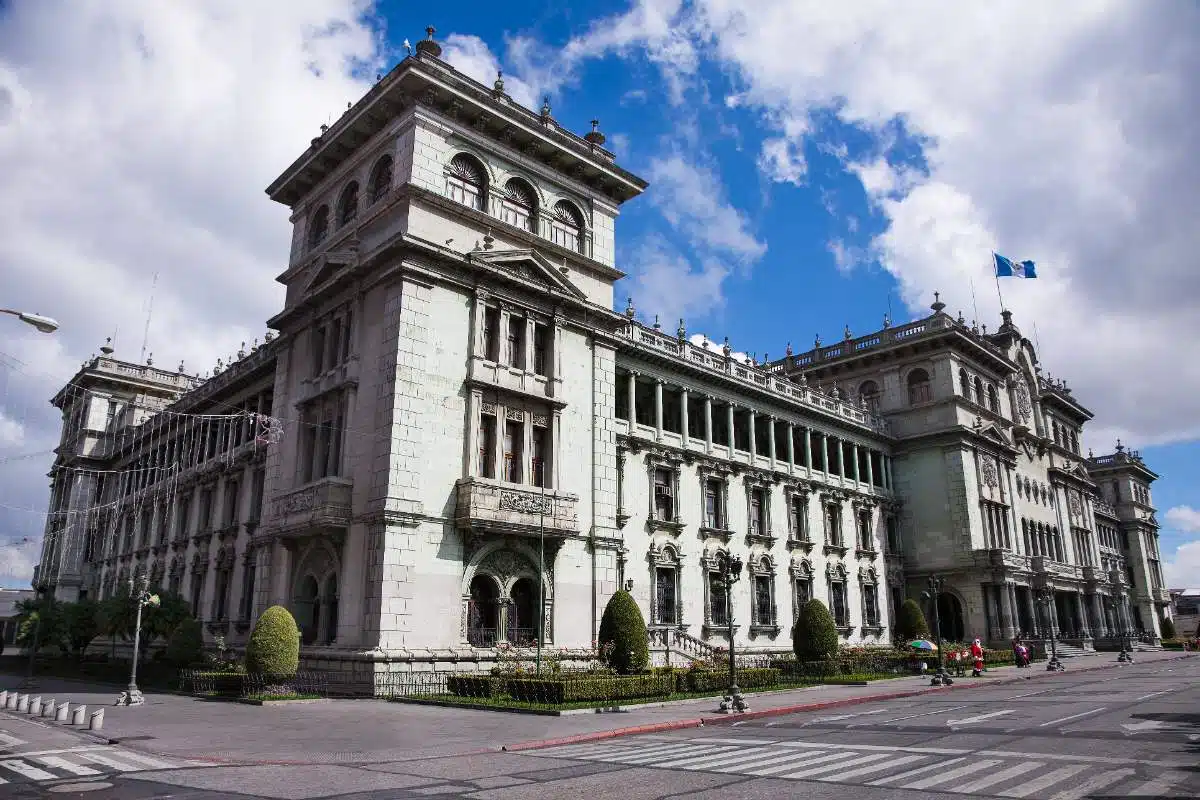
1007	268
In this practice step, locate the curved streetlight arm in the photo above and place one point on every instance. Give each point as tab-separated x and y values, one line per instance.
44	324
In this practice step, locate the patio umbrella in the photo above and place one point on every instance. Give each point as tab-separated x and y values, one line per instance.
923	644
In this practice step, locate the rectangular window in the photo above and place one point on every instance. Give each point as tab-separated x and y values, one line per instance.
222	594
764	613
347	330
308	448
162	524
866	538
247	603
182	524
714	513
870	606
718	609
893	535
514	353
231	503
541	349
335	341
802	592
514	438
491	333
798	518
833	524
197	592
666	609
538	456
758	513
258	485
110	415
487	446
317	343
664	500
837	592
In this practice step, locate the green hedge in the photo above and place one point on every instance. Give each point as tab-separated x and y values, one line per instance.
703	680
625	687
475	685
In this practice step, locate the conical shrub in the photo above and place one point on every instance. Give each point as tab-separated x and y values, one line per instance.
814	638
910	622
274	646
623	628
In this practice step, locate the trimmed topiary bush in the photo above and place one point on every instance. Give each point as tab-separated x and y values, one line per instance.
815	638
910	622
186	645
623	632
274	647
1168	629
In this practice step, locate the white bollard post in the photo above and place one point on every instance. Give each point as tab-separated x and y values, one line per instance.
35	706
23	704
11	700
4	698
60	713
48	707
96	721
78	714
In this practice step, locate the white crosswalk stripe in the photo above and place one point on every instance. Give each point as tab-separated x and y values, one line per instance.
977	773
51	765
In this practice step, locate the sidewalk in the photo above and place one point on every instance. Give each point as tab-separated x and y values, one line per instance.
348	731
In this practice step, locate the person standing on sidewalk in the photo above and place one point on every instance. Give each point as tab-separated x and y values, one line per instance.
977	655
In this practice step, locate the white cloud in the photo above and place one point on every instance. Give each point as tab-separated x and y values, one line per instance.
1183	518
17	561
691	198
471	56
1183	569
12	432
700	340
137	138
1077	153
666	284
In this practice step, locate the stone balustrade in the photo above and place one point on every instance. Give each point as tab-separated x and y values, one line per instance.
491	506
325	502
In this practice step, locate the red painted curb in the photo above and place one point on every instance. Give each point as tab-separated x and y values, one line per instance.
779	711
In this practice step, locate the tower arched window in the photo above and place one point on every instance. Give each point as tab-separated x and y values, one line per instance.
978	390
380	181
566	226
466	182
347	208
964	381
318	226
993	399
519	206
919	390
868	395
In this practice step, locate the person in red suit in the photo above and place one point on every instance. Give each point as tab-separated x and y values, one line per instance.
977	655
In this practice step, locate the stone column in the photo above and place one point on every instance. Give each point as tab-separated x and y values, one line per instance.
1007	628
729	412
771	450
858	470
1100	626
753	436
633	376
554	450
870	471
1085	628
529	337
658	408
498	442
808	449
1031	610
825	453
474	409
791	447
683	415
708	428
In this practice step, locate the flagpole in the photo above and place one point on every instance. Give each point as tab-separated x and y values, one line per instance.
974	305
996	275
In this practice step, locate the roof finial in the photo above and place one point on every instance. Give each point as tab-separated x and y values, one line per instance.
181	369
1120	447
595	137
789	349
681	331
546	107
498	86
657	327
938	305
107	349
150	360
630	311
848	335
726	349
428	45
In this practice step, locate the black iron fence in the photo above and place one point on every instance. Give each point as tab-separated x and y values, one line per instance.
206	683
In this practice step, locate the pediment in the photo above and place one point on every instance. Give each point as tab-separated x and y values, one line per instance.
329	264
992	432
528	265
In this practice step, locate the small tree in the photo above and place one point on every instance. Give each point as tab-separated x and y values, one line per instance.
274	646
623	633
1168	629
815	637
186	645
79	626
910	622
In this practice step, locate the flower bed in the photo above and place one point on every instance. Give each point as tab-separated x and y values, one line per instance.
598	689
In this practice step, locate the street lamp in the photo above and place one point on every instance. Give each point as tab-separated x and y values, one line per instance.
43	324
132	696
1054	665
729	568
941	677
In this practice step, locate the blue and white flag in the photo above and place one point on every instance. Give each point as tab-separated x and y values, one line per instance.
1007	268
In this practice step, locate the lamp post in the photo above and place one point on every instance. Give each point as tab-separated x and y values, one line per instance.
1046	598
729	567
941	677
132	696
43	324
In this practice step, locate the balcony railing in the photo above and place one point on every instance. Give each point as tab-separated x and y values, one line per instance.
325	502
489	505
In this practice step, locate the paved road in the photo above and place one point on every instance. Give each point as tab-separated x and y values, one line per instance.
1133	731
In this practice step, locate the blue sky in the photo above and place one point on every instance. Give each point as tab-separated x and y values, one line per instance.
810	164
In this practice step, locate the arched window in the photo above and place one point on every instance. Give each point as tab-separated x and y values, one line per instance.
1057	433
566	227
978	390
868	395
347	208
1074	443
965	382
519	206
466	182
318	226
993	399
918	387
381	180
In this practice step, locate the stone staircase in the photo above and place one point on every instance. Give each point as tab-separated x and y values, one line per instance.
1069	651
668	642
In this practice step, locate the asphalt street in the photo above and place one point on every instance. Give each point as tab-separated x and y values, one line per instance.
1132	731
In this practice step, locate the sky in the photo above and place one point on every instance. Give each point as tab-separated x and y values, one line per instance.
812	166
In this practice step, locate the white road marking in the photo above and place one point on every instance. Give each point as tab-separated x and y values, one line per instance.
933	751
693	757
715	740
1003	775
858	773
912	773
1073	716
712	763
951	775
108	761
10	741
1093	784
1043	781
1154	694
953	723
1159	786
811	771
922	714
152	763
784	763
28	770
58	762
846	716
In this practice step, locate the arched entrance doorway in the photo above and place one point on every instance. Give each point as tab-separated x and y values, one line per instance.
950	618
308	609
522	616
483	611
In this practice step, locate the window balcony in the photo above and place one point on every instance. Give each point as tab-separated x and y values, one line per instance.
1055	569
324	503
1160	595
337	376
493	506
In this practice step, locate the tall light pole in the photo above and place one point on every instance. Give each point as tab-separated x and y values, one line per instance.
941	677
1046	598
132	696
42	323
729	567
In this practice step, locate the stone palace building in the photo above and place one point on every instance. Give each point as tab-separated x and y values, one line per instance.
450	426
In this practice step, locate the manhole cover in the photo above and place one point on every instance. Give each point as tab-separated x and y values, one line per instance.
86	786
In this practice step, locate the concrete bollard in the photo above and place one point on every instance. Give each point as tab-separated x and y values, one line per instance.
11	700
4	698
23	704
48	707
35	706
60	713
78	714
96	721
